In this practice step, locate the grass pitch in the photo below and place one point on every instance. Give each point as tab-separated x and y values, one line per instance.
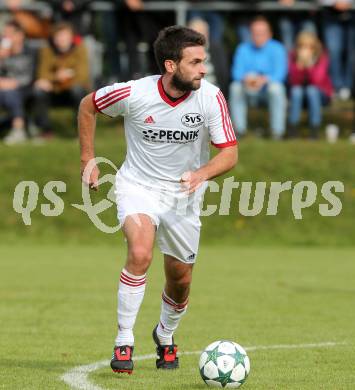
58	303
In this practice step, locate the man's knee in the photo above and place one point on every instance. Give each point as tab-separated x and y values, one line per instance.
139	259
236	89
277	90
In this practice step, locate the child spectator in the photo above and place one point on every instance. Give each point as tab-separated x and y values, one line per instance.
63	74
308	79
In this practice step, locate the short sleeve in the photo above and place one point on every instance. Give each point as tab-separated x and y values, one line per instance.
113	100
220	125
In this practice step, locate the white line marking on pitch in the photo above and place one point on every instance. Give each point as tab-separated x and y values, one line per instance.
77	378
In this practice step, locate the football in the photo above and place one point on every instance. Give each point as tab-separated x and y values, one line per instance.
224	364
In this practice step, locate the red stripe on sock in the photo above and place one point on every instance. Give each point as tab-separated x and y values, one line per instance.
177	306
132	280
131	284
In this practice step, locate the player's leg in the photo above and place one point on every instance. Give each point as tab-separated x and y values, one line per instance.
175	297
174	304
139	231
178	238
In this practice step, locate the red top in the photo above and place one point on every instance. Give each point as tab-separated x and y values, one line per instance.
317	74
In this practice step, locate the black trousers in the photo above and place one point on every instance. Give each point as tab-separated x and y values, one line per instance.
43	100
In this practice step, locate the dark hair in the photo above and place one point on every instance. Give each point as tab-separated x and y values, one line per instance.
172	40
15	25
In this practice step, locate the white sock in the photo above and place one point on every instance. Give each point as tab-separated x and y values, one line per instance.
130	296
171	313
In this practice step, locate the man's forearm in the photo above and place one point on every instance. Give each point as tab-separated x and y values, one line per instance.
224	161
87	124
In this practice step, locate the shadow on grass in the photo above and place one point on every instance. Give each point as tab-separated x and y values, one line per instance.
51	366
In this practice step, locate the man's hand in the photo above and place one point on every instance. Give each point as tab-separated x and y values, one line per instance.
90	174
255	82
7	83
65	74
342	5
287	3
13	5
135	5
191	181
44	85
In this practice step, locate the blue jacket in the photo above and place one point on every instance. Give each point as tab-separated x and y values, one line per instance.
269	60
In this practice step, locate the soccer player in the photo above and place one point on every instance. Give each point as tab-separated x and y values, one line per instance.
169	120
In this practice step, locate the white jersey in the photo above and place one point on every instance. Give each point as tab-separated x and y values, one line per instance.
166	138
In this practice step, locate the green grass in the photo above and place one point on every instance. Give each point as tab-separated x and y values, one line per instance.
260	160
259	280
58	303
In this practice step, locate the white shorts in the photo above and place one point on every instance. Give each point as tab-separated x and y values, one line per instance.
177	220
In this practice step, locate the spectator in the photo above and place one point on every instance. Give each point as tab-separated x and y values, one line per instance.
309	79
75	12
33	20
63	74
16	75
140	31
216	61
123	25
290	25
338	20
259	70
214	20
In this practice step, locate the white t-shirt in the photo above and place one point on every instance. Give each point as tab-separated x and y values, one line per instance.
166	138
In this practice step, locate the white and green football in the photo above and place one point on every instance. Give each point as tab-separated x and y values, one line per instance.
224	364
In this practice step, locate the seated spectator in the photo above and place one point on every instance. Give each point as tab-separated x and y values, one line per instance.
338	20
16	75
63	75
216	61
259	70
308	79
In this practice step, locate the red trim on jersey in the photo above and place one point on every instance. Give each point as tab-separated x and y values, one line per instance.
111	102
226	144
115	91
93	96
227	124
228	119
225	129
165	97
112	97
